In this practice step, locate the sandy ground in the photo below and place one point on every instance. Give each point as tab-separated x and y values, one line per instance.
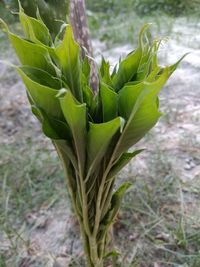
177	133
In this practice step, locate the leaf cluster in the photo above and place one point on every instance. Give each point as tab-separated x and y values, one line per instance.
92	132
95	129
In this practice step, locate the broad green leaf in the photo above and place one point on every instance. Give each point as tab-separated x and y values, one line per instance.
34	29
122	162
88	94
129	66
75	115
138	104
42	96
98	116
32	54
29	53
55	129
127	69
89	99
98	140
68	54
105	73
128	97
58	131
86	69
109	101
42	77
52	128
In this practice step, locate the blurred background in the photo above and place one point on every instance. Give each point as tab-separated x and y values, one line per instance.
159	223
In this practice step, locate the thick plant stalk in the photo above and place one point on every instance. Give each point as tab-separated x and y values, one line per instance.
92	133
79	24
94	253
81	34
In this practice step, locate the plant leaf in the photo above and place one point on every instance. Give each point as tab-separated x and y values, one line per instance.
113	253
138	105
115	205
105	72
29	53
75	115
117	198
58	131
109	101
86	69
42	96
98	140
129	66
42	77
175	65
145	64
34	29
68	54
122	162
89	99
52	128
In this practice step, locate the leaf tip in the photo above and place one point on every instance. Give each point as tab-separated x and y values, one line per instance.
122	123
61	92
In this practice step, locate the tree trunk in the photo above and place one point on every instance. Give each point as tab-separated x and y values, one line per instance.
81	33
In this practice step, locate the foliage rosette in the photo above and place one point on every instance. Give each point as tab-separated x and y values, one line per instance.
92	132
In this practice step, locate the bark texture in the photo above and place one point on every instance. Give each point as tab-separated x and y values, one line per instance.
81	33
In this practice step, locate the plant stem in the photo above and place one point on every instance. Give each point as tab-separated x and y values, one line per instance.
91	248
85	246
92	258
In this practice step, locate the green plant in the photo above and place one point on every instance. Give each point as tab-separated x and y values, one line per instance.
53	12
91	132
170	7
